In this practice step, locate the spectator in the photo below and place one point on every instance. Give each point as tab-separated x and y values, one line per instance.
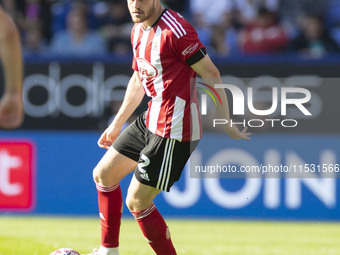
211	22
314	40
60	9
292	11
116	28
77	40
263	36
28	13
246	11
34	42
40	10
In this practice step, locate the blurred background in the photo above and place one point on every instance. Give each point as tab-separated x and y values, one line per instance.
94	28
77	65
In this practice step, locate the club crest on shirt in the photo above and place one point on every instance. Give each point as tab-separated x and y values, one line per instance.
146	69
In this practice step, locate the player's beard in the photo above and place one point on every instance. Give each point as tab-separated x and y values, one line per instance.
146	15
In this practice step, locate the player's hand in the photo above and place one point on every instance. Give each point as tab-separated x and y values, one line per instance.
109	136
234	133
11	111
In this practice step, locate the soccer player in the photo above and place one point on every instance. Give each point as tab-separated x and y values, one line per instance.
11	105
167	56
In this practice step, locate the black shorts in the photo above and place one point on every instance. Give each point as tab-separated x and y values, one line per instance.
160	160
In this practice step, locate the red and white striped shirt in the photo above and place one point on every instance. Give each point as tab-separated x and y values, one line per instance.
162	56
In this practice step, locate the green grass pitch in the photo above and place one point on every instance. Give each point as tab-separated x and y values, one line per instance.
42	235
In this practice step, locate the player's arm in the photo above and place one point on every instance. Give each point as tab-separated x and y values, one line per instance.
11	107
10	52
211	76
133	96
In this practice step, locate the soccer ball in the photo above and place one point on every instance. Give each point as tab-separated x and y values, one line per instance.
65	251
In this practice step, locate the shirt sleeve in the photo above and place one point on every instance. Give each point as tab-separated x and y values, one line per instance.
187	46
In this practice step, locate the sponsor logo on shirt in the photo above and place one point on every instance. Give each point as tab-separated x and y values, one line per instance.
190	49
146	69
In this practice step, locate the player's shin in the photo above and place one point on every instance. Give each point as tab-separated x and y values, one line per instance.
110	210
155	230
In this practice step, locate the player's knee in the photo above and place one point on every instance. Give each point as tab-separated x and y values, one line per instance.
131	203
134	203
102	177
97	176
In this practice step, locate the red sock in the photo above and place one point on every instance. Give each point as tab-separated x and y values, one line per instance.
155	230
110	210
